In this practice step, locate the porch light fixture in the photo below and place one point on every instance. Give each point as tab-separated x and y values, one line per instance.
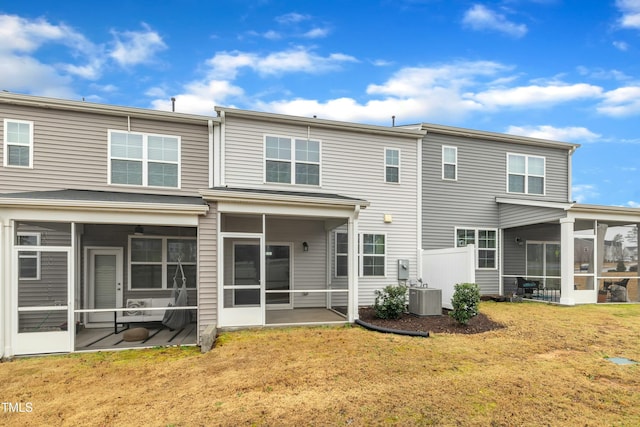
139	230
305	247
519	241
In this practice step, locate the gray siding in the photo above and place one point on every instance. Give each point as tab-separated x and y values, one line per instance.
514	215
470	201
71	149
208	269
352	164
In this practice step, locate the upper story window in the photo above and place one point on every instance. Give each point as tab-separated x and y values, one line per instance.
143	159
486	243
292	161
18	143
526	174
450	163
391	165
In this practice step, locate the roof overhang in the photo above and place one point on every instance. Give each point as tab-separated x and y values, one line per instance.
601	212
111	110
323	123
83	200
281	198
535	203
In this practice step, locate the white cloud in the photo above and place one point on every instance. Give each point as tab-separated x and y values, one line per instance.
582	193
226	65
200	97
479	17
621	102
316	33
136	47
630	10
633	204
292	18
25	74
567	134
620	45
536	95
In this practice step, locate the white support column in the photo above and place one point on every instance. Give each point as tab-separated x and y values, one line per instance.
566	261
352	230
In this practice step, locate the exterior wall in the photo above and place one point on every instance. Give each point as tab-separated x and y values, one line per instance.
513	215
208	269
470	201
352	164
71	151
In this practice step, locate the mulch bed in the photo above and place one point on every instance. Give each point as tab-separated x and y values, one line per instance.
432	324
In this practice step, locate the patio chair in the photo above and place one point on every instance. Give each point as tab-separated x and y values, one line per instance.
527	286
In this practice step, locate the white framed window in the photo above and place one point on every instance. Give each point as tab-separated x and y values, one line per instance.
486	244
291	160
342	254
449	163
391	165
372	255
525	174
28	261
153	262
144	159
18	143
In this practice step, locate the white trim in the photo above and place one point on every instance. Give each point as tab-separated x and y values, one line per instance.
38	236
145	159
477	246
8	143
455	162
292	161
386	165
526	174
536	203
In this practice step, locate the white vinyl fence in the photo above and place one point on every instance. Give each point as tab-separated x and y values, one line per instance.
443	268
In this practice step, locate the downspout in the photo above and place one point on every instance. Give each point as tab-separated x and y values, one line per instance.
212	157
221	156
419	208
570	174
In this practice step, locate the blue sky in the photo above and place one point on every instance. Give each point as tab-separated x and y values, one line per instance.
561	70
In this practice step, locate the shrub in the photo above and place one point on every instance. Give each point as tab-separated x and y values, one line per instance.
633	268
466	298
390	302
621	266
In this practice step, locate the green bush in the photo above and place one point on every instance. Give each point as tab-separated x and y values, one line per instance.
621	267
466	298
390	302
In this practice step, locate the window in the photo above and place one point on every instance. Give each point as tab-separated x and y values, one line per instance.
153	261
371	254
141	159
525	174
342	254
391	165
18	143
449	163
292	161
486	243
28	261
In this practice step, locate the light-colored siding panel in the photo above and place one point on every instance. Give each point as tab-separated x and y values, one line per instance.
208	269
71	149
352	164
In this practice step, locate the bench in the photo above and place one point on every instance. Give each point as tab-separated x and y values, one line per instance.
136	312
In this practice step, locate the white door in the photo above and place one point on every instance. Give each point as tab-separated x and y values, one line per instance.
105	280
584	273
42	293
241	300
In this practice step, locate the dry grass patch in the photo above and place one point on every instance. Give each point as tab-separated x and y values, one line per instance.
546	367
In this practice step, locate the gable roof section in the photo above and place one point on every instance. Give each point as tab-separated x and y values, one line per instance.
322	123
104	201
112	110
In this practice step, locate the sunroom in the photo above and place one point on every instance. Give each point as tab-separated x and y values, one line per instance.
79	267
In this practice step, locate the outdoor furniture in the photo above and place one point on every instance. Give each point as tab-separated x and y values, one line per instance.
527	286
137	314
617	290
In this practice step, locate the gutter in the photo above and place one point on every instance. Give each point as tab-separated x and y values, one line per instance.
101	206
